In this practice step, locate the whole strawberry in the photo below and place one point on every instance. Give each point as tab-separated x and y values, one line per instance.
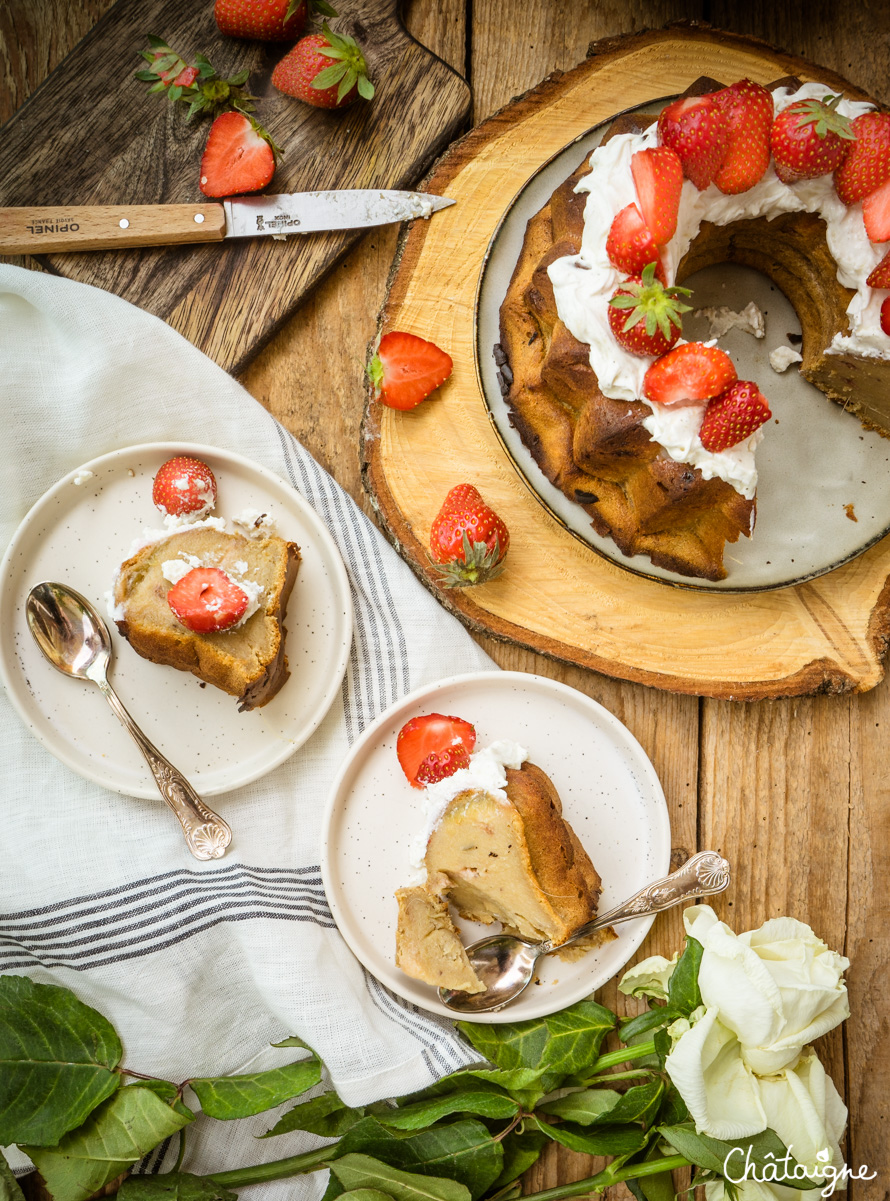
697	129
885	316
645	316
880	276
468	541
327	70
748	109
733	416
809	139
184	485
630	245
867	166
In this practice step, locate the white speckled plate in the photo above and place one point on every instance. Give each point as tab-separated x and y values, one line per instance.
80	534
823	495
610	793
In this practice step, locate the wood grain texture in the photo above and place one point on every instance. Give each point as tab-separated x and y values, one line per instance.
104	145
827	635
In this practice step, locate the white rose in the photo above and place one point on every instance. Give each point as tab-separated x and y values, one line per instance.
650	977
753	1190
804	1108
777	988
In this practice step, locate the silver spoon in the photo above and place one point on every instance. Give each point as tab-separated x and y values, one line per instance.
76	641
506	964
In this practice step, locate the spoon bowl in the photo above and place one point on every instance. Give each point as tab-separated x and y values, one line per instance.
505	964
75	640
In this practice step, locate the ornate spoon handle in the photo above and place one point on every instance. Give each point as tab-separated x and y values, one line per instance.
206	834
700	876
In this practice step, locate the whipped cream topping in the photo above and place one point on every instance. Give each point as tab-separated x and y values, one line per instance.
255	521
782	357
486	773
584	283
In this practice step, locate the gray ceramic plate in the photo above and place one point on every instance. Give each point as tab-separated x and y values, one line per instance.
816	464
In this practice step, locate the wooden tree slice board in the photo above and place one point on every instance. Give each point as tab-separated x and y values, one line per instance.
92	134
557	596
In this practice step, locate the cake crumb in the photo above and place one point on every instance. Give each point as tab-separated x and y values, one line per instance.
850	512
782	357
723	318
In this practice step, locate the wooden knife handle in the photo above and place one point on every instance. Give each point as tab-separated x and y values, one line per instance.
108	227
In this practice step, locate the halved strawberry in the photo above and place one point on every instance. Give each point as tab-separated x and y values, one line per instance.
748	109
238	157
880	276
630	245
733	416
876	214
867	166
437	741
810	139
184	485
658	179
644	316
698	130
406	369
206	600
689	374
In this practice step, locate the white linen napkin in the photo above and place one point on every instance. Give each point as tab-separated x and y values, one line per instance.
200	966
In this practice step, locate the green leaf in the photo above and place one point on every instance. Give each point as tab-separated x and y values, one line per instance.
227	1097
764	1149
325	1115
56	1061
168	1092
475	1097
640	1104
329	76
583	1107
322	8
365	1194
173	1186
683	990
674	1111
610	1140
363	1172
294	1041
662	1042
463	1151
123	1129
521	1150
9	1186
659	1015
365	88
563	1044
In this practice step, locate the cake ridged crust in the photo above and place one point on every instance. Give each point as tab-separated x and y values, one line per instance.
594	449
517	862
248	662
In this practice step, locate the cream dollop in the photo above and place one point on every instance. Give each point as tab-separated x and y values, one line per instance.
583	284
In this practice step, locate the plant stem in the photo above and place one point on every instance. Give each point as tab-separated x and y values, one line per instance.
624	1055
278	1169
602	1180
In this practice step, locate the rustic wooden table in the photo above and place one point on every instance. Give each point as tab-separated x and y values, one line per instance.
795	793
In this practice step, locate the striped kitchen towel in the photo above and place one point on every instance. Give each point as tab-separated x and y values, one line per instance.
200	966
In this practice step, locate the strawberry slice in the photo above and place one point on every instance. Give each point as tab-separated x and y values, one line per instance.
238	157
748	109
880	276
885	316
867	166
184	485
698	130
689	374
432	743
658	179
733	416
207	600
876	214
630	245
406	369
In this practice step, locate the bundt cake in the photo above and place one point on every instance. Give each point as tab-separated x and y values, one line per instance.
248	661
512	859
581	401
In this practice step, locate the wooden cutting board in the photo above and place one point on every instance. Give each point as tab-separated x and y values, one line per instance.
92	134
557	596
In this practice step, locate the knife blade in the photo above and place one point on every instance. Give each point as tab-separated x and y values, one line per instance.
44	230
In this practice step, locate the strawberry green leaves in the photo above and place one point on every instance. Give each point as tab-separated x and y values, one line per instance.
199	85
348	69
228	1097
117	1134
57	1061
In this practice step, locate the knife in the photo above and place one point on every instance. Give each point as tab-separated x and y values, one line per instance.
110	227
